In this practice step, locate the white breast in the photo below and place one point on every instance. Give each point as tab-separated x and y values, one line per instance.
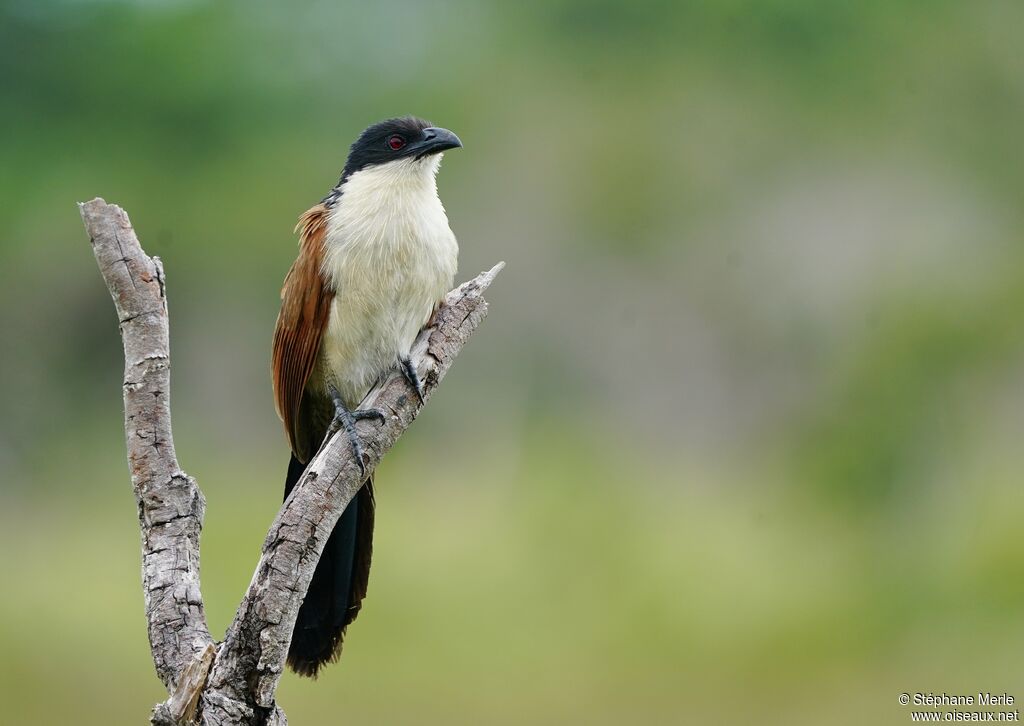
391	257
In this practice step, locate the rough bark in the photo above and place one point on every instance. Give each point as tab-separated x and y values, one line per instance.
234	682
170	504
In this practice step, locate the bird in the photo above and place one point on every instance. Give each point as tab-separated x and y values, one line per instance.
376	257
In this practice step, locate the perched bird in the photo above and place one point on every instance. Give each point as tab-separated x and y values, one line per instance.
376	256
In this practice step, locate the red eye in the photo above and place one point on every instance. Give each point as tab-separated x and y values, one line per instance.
396	142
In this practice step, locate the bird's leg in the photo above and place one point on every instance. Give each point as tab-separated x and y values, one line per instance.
409	371
345	419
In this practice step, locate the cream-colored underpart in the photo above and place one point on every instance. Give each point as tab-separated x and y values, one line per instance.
390	257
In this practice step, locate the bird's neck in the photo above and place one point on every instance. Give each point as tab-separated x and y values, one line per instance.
384	214
388	185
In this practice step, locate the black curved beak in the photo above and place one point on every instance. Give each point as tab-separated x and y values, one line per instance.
436	140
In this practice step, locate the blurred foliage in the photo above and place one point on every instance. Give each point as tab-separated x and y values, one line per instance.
754	375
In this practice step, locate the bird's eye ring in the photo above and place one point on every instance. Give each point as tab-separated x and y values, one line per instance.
396	142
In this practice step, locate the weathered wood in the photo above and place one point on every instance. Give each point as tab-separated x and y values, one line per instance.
181	706
170	503
239	686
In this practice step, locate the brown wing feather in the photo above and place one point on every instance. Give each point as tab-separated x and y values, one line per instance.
305	307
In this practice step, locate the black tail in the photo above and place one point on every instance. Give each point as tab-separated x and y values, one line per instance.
339	583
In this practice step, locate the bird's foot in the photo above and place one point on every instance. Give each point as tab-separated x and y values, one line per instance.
346	420
409	371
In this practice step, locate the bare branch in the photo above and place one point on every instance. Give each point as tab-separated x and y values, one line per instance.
239	686
254	651
171	506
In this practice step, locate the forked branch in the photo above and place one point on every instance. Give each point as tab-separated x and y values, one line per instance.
233	682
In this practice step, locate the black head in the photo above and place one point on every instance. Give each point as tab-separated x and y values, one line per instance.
397	138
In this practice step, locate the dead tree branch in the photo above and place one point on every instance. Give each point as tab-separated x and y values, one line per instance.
234	682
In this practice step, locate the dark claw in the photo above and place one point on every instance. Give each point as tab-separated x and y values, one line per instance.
345	419
409	371
374	414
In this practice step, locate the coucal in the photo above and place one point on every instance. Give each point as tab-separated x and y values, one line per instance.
376	256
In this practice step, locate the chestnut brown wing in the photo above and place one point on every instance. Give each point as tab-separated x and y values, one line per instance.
305	308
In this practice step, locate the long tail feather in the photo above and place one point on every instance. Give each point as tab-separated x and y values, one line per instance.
339	583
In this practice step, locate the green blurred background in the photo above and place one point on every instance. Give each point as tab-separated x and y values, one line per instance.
740	441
